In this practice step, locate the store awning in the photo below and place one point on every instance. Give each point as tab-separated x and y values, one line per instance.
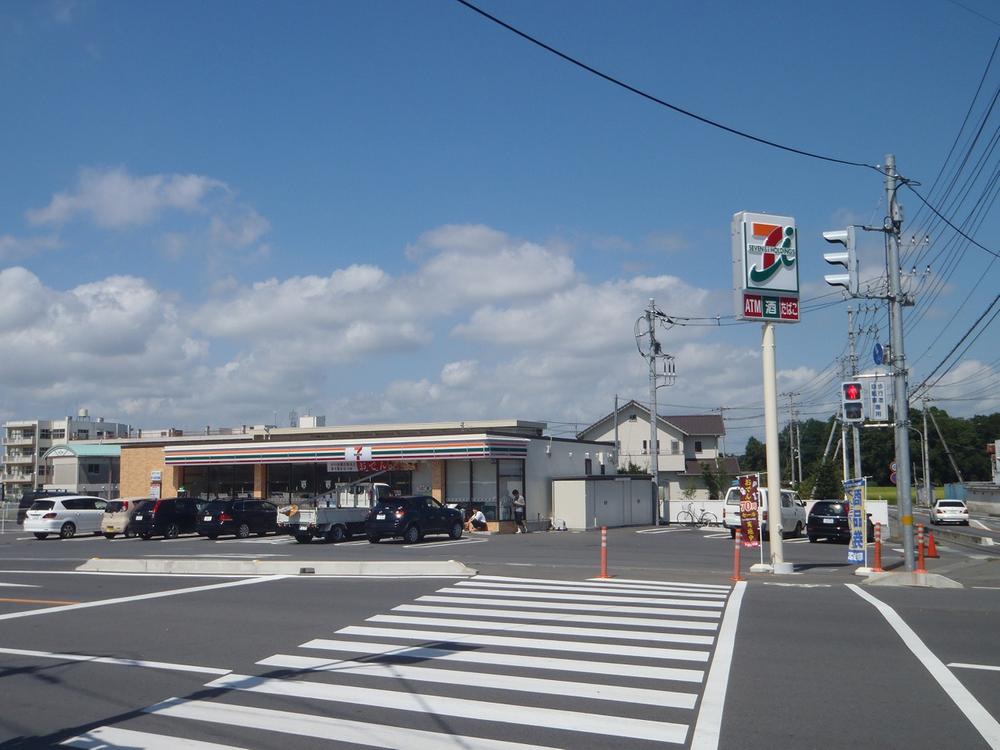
349	451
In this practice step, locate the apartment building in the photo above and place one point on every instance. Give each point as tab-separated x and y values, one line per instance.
25	442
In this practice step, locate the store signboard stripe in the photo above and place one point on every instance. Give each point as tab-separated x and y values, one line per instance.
116	737
518	587
625	583
436	705
631	635
397	652
493	681
324	727
600	598
530	603
501	641
571	617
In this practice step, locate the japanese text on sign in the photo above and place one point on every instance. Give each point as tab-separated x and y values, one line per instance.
749	486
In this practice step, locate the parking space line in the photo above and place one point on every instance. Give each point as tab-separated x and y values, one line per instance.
988	667
431	545
980	718
37	601
115	661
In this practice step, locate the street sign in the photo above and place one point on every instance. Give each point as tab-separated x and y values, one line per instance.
749	485
877	406
854	496
765	267
878	355
763	307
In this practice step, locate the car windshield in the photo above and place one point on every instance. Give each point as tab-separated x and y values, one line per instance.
950	504
829	509
217	505
114	506
43	505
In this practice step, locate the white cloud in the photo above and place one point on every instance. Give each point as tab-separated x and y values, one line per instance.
12	247
243	228
114	199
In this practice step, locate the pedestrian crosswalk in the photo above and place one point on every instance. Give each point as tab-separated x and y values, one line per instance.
487	663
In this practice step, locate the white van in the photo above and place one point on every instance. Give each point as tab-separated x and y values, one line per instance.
793	513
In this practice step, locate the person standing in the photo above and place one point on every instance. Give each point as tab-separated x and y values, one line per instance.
519	512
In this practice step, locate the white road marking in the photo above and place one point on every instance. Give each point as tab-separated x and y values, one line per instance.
981	719
644	582
110	738
432	545
987	667
574	597
715	535
980	525
516	614
20	585
709	724
594	589
990	588
492	681
115	661
586	666
225	555
799	585
605	649
353	544
635	635
529	604
659	531
188	576
139	597
325	727
573	721
615	583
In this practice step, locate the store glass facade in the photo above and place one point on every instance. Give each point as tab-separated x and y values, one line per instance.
484	483
221	481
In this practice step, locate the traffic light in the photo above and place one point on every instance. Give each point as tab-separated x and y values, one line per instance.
853	407
846	258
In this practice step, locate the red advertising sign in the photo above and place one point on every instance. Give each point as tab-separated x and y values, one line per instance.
766	307
749	485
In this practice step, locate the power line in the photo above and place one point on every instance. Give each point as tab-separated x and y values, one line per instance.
941	216
662	102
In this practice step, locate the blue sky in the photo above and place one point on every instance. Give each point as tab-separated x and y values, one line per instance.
395	211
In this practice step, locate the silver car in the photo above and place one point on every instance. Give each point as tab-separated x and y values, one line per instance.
950	511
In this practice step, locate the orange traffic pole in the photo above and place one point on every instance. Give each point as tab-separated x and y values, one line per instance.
877	568
604	552
736	555
921	566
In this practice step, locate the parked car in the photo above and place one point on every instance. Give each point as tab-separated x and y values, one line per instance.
65	515
828	520
412	518
793	512
28	497
950	510
237	517
118	515
167	517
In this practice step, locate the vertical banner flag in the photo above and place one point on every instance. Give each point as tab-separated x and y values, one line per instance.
749	485
854	499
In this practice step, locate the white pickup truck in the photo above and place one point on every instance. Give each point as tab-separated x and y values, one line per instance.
336	517
793	513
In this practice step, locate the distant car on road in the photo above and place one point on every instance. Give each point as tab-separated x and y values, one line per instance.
65	515
237	517
412	518
950	510
168	517
118	515
828	520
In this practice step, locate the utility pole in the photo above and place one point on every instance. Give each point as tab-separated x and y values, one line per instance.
668	376
928	492
794	437
892	226
617	462
855	433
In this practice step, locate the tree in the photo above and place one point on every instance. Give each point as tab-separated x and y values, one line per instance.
825	482
711	480
632	468
754	458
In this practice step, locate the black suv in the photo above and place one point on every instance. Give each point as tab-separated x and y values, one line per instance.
29	497
828	520
237	517
167	518
412	518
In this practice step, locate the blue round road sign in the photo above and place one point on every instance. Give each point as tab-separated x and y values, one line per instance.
878	354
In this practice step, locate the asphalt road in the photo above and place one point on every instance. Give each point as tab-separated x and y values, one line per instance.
531	653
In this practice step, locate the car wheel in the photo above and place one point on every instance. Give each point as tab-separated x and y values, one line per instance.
129	532
335	534
172	532
68	531
456	530
303	538
798	530
374	538
813	538
109	536
412	534
242	531
41	535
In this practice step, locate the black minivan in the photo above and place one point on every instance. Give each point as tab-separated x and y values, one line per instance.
412	518
167	518
237	517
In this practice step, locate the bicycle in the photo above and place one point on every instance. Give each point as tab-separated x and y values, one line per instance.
699	519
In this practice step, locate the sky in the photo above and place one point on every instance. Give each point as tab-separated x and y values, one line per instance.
384	211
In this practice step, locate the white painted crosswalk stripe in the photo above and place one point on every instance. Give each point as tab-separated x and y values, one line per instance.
623	583
530	604
516	683
324	727
586	666
644	582
517	587
519	614
574	597
486	711
479	639
111	738
632	635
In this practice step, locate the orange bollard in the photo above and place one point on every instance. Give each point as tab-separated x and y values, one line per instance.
604	552
736	555
921	566
931	546
877	567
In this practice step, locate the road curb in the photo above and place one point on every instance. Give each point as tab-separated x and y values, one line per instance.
924	580
278	567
